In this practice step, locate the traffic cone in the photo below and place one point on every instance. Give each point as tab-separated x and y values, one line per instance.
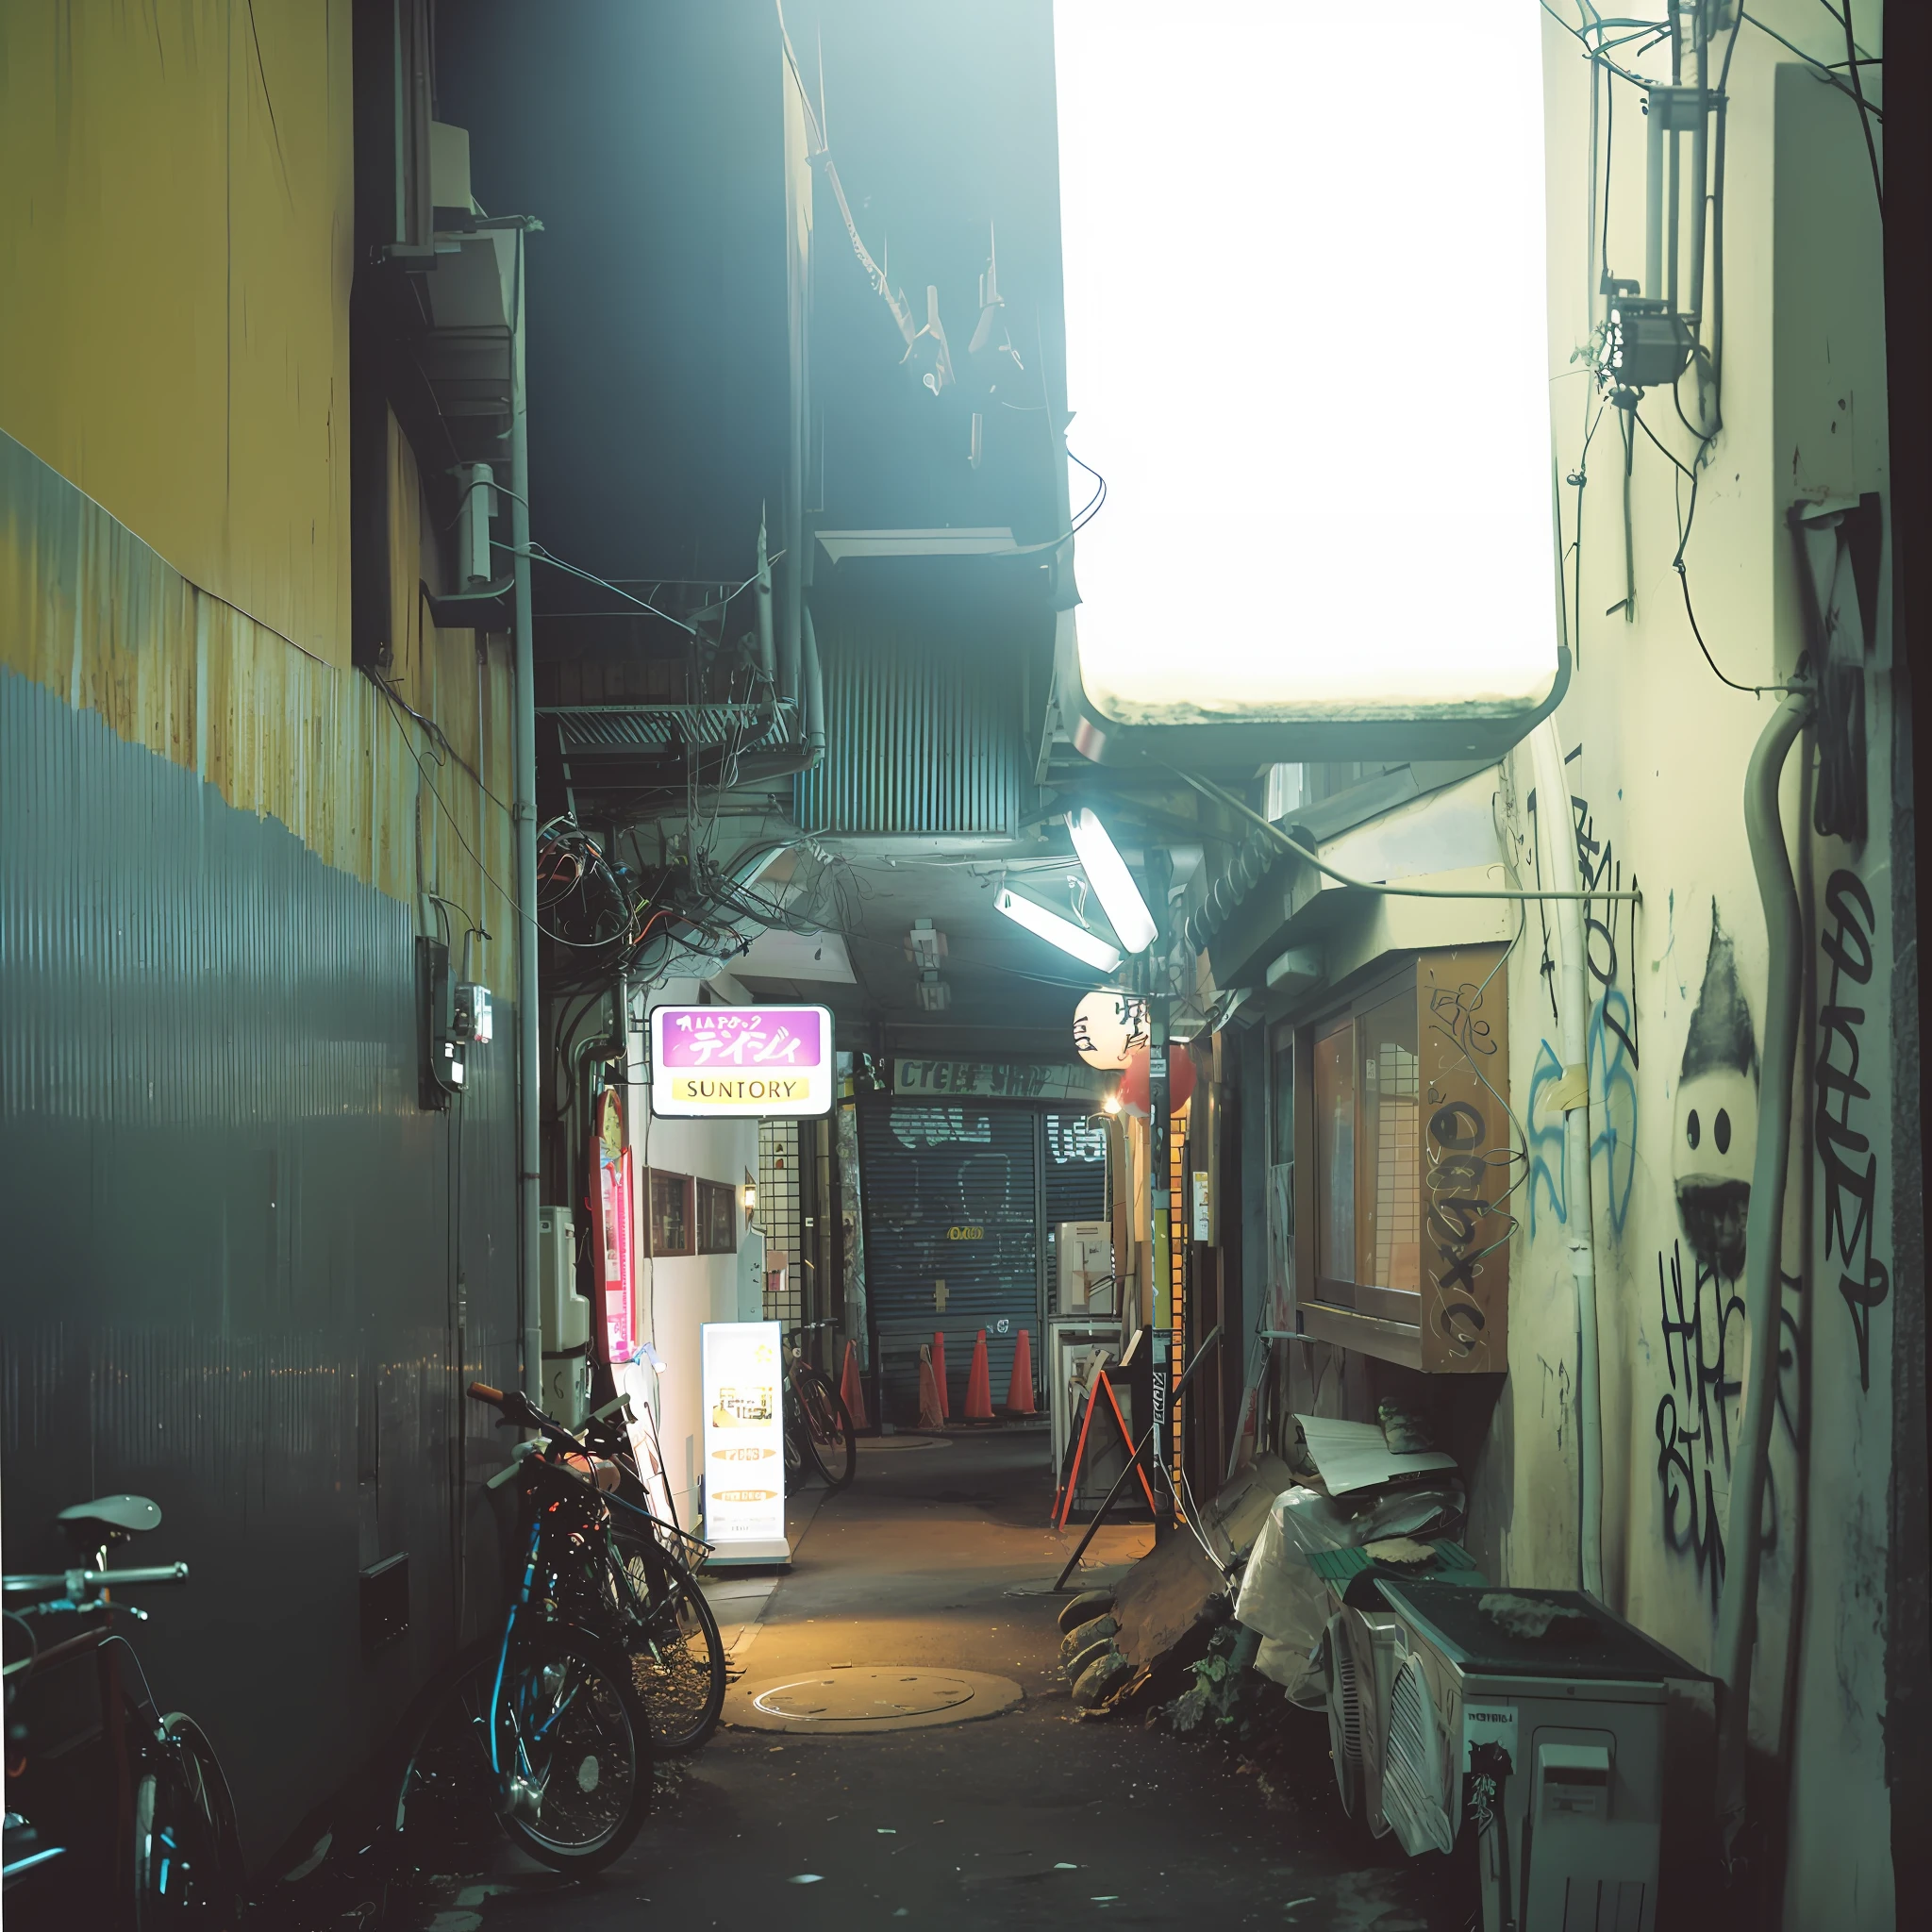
938	1372
980	1384
1020	1389
932	1413
852	1388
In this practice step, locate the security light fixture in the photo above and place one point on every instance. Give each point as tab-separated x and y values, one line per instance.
1058	930
1384	584
1107	872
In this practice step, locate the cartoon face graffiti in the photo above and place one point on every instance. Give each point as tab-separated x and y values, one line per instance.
1717	1113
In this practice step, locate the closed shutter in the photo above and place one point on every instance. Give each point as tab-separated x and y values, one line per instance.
949	1197
1076	1182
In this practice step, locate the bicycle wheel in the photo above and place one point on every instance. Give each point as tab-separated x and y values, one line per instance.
677	1652
187	1852
825	1433
447	1797
572	1751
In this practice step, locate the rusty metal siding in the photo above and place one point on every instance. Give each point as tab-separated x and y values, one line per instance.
923	734
231	1265
229	1241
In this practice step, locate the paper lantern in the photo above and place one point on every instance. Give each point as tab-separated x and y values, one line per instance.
1108	1026
1180	1079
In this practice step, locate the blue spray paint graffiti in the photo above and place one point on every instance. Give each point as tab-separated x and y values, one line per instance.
1611	1047
1546	1150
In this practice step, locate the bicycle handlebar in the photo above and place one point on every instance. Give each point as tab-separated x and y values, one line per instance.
74	1580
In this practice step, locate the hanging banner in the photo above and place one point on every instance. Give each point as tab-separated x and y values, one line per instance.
770	1063
744	1441
611	1206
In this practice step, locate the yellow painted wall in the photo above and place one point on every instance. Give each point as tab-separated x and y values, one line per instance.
176	250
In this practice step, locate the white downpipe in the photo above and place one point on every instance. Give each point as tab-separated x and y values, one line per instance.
1580	1227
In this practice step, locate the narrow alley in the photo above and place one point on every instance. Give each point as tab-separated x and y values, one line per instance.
963	963
938	1560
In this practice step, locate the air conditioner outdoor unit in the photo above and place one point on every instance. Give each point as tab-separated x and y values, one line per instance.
1363	1649
1549	1712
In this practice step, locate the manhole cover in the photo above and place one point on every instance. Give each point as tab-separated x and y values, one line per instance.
870	1697
866	1694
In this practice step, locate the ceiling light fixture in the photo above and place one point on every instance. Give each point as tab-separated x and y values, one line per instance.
1107	872
1058	930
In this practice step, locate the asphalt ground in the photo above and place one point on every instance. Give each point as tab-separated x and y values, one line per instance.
1036	1817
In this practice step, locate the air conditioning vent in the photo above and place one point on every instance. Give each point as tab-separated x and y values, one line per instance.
1415	1779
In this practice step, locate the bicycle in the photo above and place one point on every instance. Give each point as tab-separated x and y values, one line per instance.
166	1851
676	1648
818	1427
546	1724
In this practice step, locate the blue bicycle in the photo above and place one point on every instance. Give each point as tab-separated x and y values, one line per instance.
542	1724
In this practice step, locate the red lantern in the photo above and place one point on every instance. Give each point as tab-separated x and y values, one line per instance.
1180	1079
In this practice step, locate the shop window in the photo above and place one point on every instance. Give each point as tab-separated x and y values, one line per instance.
672	1219
1403	1241
717	1217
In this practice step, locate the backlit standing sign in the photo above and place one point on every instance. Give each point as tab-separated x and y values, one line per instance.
745	1435
770	1063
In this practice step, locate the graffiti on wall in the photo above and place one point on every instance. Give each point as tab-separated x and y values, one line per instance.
1845	1152
1612	1051
1717	1113
1704	1347
1704	1323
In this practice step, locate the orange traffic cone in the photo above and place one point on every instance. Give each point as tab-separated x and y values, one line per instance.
1020	1389
938	1372
932	1413
980	1384
852	1388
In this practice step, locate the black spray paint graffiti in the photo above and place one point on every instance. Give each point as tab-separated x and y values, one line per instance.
1850	1188
1717	1113
1703	1347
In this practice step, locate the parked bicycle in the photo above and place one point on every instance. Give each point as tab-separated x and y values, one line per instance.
676	1648
818	1434
116	1814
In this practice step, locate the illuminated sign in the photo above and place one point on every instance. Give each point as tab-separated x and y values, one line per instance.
744	1434
771	1062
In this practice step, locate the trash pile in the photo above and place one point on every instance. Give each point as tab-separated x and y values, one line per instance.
1222	1628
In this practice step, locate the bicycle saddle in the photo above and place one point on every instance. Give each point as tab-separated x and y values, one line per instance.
114	1516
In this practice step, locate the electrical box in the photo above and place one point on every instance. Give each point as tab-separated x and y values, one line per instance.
476	1017
1085	1249
566	1319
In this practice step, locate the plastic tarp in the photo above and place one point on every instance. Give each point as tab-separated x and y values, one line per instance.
1282	1599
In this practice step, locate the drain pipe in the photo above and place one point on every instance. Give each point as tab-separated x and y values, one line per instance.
529	1005
1737	1615
1553	817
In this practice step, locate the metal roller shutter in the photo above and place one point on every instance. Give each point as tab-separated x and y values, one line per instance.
1075	1172
950	1197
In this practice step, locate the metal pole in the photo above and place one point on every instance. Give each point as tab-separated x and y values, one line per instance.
1159	1195
530	1006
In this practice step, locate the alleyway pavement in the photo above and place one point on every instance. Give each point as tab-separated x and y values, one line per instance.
1035	1817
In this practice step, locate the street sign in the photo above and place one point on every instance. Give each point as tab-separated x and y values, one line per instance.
768	1063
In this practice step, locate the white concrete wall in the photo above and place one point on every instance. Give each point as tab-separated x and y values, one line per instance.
1658	749
677	1295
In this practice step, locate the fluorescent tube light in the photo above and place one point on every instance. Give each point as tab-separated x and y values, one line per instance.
1057	931
1270	270
1114	884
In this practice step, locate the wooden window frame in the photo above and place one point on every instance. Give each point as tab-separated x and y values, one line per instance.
707	1193
652	1176
1456	1321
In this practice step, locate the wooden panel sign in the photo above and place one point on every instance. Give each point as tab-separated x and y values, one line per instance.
1463	1030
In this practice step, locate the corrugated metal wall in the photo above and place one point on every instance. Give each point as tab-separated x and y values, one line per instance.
922	735
232	1257
951	1195
230	1277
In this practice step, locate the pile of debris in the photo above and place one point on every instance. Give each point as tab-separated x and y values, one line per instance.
1241	1597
